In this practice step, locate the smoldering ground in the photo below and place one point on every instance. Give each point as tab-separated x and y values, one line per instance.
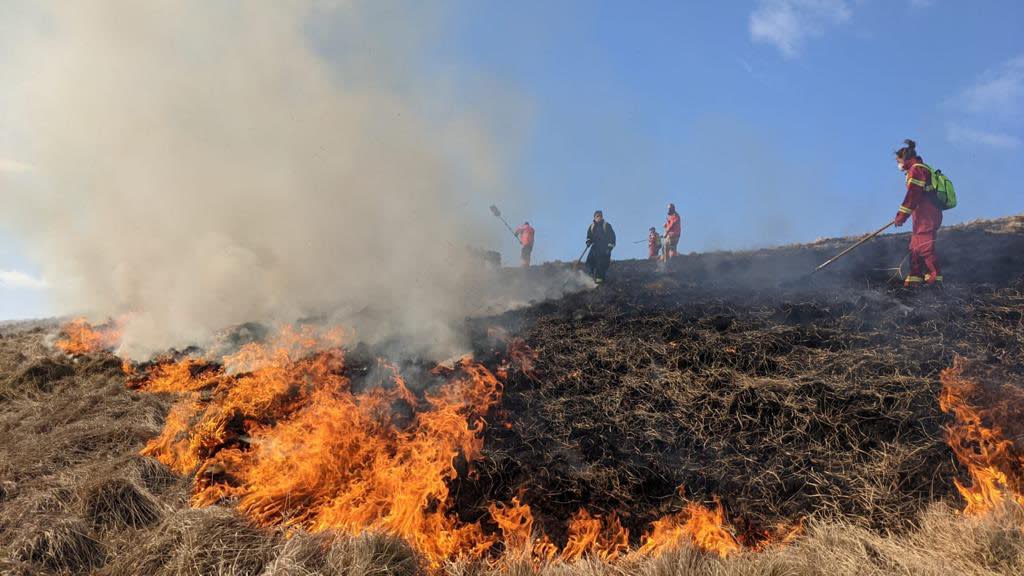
785	401
201	164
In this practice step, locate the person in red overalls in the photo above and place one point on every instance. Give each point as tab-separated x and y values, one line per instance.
921	203
673	228
525	235
653	244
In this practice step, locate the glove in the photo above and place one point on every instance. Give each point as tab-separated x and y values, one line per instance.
610	246
900	219
589	242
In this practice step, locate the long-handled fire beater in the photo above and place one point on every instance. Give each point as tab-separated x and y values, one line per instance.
497	214
896	272
576	265
851	248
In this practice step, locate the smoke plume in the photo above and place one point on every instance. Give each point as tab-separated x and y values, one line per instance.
203	163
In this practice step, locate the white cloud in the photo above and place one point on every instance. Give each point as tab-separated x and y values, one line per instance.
788	24
999	91
13	166
18	279
958	134
990	112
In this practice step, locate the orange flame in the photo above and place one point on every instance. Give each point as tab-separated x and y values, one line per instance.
782	534
519	537
607	539
695	525
604	538
279	430
992	462
78	337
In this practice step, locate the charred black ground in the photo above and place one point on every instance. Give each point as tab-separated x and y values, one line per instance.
737	376
732	375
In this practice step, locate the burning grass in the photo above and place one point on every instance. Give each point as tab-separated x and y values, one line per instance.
987	404
293	444
656	426
282	432
78	337
782	407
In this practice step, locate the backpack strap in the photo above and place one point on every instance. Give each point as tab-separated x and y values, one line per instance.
921	183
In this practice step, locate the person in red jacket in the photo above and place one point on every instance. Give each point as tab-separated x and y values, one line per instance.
653	244
525	235
921	204
673	228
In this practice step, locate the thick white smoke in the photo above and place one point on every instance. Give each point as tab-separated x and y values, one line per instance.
201	163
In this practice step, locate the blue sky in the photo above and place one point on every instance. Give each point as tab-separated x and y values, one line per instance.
765	121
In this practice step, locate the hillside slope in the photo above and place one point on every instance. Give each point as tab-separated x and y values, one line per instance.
739	376
730	377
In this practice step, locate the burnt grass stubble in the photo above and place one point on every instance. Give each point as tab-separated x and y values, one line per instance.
730	375
739	377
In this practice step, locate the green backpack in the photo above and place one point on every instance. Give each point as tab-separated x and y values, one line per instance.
945	195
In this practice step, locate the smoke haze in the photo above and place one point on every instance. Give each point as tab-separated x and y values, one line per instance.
199	164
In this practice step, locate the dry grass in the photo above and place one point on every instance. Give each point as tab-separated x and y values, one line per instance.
325	554
785	401
60	545
207	541
118	503
942	543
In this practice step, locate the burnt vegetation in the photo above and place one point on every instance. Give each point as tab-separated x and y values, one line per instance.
734	377
809	396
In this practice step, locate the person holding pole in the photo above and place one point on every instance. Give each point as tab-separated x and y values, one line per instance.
653	244
928	194
525	234
601	240
673	229
922	204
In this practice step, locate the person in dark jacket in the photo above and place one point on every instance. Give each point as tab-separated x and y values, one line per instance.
601	239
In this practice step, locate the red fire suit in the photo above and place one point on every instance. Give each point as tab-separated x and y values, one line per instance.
921	203
525	234
673	228
653	245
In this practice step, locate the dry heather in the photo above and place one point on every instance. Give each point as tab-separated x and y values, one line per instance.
729	376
